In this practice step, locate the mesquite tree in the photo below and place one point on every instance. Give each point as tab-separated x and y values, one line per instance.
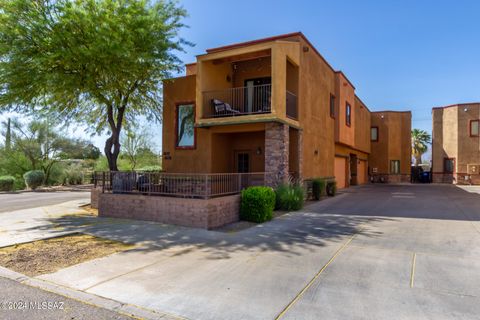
97	62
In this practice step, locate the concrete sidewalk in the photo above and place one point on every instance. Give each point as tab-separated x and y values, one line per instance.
38	223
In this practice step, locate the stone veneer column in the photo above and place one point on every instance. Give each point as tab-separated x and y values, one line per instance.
300	155
276	153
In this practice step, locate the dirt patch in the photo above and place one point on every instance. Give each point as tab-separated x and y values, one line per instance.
50	255
91	211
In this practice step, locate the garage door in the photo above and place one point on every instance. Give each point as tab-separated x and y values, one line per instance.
362	172
340	172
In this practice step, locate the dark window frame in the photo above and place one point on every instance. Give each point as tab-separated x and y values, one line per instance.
445	167
348	114
470	128
177	106
332	106
374	140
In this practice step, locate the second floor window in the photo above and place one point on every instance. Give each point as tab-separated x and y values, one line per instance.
374	134
395	166
332	106
185	126
474	128
348	115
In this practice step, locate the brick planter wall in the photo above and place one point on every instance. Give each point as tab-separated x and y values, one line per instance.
94	194
276	152
197	213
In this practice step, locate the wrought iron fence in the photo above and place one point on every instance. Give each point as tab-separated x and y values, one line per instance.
183	185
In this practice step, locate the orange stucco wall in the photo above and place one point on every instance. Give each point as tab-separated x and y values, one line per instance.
317	82
451	139
344	93
293	65
393	141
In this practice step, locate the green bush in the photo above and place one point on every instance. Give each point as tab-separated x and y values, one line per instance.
73	175
289	197
331	188
7	183
19	182
34	179
257	204
318	188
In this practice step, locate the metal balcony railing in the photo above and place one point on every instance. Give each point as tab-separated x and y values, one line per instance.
237	101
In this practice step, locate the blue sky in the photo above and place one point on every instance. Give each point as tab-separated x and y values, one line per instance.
400	55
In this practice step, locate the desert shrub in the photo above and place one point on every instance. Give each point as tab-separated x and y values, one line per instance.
150	169
289	197
19	182
257	204
318	188
56	174
7	183
331	188
73	175
34	178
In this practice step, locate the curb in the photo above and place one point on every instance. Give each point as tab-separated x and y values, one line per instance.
88	298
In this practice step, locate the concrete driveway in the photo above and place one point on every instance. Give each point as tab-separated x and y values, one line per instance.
374	252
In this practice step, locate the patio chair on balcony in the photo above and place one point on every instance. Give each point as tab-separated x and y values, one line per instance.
223	108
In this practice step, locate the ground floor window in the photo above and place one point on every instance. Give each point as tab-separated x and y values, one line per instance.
395	166
448	165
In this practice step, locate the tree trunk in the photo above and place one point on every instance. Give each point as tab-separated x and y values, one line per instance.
112	150
112	145
418	160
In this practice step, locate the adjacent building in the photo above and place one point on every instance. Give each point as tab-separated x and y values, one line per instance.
456	144
275	109
391	150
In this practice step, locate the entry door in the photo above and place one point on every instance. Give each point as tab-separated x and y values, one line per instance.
257	96
242	164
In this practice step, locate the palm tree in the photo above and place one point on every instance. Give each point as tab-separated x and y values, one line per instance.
420	141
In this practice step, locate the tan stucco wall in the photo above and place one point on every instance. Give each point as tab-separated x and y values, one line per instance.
323	137
344	93
317	82
198	160
362	120
451	138
393	141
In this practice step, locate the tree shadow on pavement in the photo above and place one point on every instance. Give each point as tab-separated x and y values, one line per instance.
292	233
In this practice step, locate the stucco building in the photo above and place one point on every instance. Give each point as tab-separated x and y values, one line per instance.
391	150
456	144
276	106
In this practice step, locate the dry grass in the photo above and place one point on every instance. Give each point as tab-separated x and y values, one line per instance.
47	256
89	210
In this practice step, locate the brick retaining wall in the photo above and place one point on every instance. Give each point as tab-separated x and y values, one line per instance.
198	213
94	194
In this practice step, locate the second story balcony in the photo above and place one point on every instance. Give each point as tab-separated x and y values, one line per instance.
248	100
255	83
